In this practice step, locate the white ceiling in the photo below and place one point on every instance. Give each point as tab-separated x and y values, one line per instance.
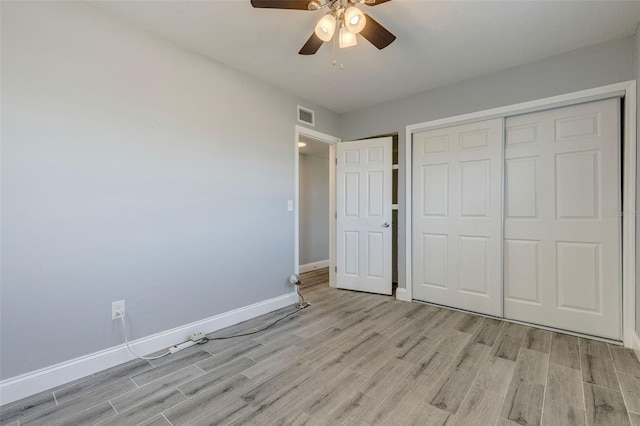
437	43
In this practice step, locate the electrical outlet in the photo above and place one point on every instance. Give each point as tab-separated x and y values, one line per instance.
196	337
117	309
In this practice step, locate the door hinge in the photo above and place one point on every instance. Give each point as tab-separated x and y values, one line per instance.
336	161
336	269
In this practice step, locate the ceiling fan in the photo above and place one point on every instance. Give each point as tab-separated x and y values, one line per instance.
343	18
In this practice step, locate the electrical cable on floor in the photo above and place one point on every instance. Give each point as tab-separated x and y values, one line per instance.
126	342
300	306
207	339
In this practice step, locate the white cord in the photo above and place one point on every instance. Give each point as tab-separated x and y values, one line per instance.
126	342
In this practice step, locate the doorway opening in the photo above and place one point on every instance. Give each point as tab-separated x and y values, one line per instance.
314	229
313	196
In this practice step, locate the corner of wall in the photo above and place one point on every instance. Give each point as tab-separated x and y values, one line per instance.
636	54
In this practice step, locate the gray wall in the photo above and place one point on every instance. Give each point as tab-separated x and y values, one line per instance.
314	209
132	169
580	69
637	63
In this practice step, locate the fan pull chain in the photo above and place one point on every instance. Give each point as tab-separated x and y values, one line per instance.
334	51
335	41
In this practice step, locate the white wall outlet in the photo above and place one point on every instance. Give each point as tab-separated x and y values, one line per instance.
117	309
196	337
290	205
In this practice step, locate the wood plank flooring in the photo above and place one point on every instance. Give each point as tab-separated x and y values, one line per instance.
358	359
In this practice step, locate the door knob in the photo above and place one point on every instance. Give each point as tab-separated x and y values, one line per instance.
386	224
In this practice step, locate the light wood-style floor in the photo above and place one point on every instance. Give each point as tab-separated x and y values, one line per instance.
359	359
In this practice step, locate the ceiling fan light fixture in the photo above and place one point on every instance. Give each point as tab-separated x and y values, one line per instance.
347	38
325	27
354	19
314	5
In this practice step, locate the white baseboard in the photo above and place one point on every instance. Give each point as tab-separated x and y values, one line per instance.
313	266
402	294
28	384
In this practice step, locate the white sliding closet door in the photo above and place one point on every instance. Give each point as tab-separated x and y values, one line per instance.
457	220
562	229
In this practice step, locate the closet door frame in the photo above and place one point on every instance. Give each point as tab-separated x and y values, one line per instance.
627	90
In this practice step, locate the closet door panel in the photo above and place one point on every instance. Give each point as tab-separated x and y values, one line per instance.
522	188
457	225
522	271
562	230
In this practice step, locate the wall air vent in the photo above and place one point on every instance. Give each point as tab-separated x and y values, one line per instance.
306	116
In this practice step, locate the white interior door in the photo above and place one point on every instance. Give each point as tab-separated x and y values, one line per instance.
457	219
562	224
363	200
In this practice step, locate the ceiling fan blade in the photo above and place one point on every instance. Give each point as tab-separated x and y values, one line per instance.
311	46
375	2
378	35
281	4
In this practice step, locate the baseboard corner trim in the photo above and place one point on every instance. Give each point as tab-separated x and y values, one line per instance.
635	344
402	294
28	384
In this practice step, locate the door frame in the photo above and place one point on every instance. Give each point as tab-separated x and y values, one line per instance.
331	141
626	89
